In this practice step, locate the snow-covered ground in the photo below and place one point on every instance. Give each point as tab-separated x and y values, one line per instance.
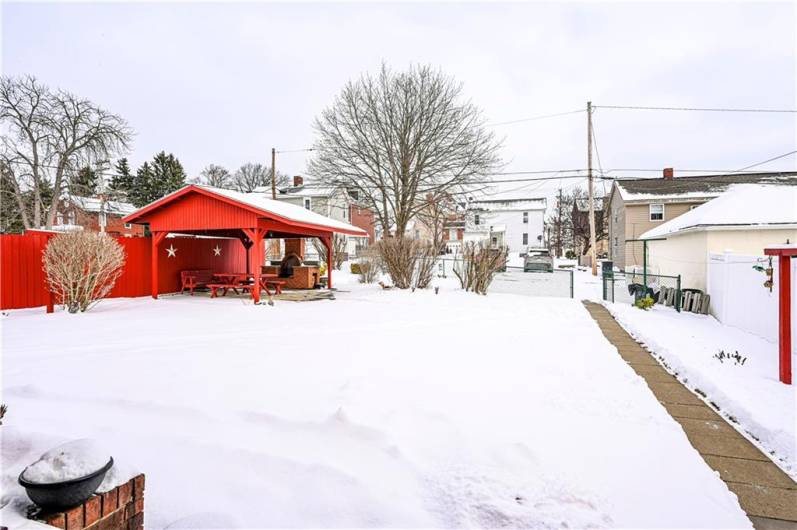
750	393
381	408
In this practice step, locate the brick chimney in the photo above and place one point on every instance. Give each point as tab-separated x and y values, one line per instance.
668	173
297	181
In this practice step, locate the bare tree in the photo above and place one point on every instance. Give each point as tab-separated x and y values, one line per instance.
395	137
253	175
437	209
48	134
82	267
216	176
338	251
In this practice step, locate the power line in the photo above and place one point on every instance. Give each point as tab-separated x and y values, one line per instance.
534	118
698	109
770	160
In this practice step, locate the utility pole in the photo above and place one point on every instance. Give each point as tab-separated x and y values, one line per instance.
592	253
559	225
273	173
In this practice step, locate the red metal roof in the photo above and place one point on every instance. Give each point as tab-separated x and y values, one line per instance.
197	207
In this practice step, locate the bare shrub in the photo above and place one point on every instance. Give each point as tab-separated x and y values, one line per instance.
409	262
82	267
369	266
426	254
479	265
398	259
338	251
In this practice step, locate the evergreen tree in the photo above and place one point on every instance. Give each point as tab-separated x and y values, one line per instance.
84	182
122	179
155	179
139	191
168	175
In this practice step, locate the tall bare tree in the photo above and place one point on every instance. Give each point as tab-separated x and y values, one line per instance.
48	134
398	136
252	175
216	176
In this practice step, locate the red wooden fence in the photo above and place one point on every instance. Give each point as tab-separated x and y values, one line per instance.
22	279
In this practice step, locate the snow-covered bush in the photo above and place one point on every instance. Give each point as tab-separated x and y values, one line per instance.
479	264
82	267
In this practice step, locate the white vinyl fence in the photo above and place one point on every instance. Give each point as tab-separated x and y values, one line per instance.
739	298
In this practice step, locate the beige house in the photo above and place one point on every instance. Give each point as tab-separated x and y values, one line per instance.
742	221
637	206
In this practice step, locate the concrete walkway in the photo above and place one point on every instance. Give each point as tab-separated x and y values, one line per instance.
766	494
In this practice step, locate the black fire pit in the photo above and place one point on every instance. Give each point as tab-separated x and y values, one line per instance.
65	494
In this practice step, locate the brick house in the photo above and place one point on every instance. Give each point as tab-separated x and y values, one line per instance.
638	205
98	215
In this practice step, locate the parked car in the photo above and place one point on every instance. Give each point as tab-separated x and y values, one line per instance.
538	260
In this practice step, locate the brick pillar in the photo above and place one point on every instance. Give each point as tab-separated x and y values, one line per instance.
122	508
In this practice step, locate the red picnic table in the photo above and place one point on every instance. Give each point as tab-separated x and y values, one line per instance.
242	280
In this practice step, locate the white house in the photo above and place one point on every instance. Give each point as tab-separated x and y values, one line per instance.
743	220
517	223
334	203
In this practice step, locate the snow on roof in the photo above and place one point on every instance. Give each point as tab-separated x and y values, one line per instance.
703	187
94	205
755	206
283	209
509	204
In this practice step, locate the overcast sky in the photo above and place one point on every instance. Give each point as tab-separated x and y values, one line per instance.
223	83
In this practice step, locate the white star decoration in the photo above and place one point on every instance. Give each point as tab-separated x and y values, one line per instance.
217	251
172	252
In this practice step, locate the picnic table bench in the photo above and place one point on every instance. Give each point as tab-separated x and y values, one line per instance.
233	281
195	279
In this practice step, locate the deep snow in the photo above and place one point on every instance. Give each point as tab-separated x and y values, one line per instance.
381	408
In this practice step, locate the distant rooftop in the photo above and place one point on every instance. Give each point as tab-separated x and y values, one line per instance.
696	187
509	204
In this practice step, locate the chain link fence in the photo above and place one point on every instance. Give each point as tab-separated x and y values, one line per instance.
627	287
514	280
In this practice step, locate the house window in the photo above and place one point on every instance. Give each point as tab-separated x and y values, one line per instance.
476	219
615	242
59	218
656	212
525	239
525	217
494	241
307	203
129	226
71	217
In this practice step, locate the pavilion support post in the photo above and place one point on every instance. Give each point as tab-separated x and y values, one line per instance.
330	259
255	255
784	314
157	237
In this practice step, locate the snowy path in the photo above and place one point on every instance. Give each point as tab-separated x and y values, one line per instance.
381	408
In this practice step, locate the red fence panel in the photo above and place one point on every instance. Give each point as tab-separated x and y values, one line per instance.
22	278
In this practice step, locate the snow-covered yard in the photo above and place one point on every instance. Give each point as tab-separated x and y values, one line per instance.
750	393
381	408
